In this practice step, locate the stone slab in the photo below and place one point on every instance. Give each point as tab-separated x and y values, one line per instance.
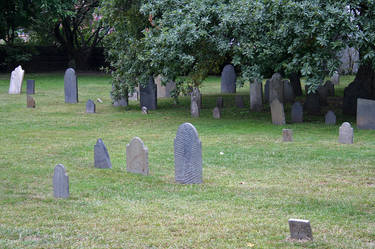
287	135
148	95
330	118
288	92
101	156
346	133
216	113
297	113
137	157
70	86
30	87
194	109
16	79
276	88
256	98
60	182
277	112
365	114
30	102
228	79
300	229
90	106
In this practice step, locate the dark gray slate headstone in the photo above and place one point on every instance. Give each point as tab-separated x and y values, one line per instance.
148	95
256	103
30	102
101	156
287	135
323	95
297	113
228	79
330	118
239	101
187	155
267	91
70	86
300	229
137	157
312	104
196	96
276	88
194	109
277	112
216	113
346	133
60	182
288	92
220	102
330	88
90	106
365	114
30	86
295	81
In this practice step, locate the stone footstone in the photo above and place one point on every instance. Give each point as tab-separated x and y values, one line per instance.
288	92
300	229
148	95
277	112
365	114
228	79
220	102
30	102
330	118
287	135
330	88
144	110
137	157
70	86
101	156
346	133
194	109
239	101
276	88
90	106
60	182
216	113
16	80
30	87
256	96
297	113
187	155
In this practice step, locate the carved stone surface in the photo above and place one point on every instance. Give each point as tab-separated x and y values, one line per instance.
256	98
287	135
239	101
16	79
300	229
148	95
101	156
288	92
216	113
90	106
365	114
346	133
30	102
137	157
187	155
330	118
70	86
276	88
196	96
277	112
220	102
297	113
194	109
60	182
30	87
228	79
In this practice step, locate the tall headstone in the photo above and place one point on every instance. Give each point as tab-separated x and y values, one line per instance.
220	102
194	109
187	155
346	133
297	113
216	113
16	79
137	157
276	88
256	98
295	81
330	118
228	79
335	78
288	92
101	156
30	87
196	96
239	101
300	229
267	91
277	112
148	95
287	135
312	104
90	106
365	114
70	86
330	88
60	182
30	102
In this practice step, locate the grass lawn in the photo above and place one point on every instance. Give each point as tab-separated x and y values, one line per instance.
247	197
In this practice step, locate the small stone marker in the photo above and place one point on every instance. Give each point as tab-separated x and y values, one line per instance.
239	101
365	114
346	133
90	106
144	110
256	103
137	157
330	118
196	96
60	182
16	79
228	79
194	109
30	102
300	229
276	88
148	95
187	155
312	104
101	156
267	91
220	102
297	113
277	112
287	135
335	78
288	92
30	87
330	88
70	86
216	113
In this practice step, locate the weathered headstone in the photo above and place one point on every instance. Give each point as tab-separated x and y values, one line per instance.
267	91
220	102
164	91
365	114
228	79
148	95
216	113
60	182
70	86
300	229
256	103
30	87
346	133
330	118
90	106
30	102
134	95
137	157
323	95
196	96
101	156
239	101
312	104
297	113
287	135
277	112
295	81
187	155
276	88
330	88
16	79
122	102
144	110
194	109
288	92
335	78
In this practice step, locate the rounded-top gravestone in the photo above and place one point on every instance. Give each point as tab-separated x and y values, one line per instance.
137	157
90	106
228	79
346	133
101	156
330	118
60	182
70	86
276	88
297	113
148	95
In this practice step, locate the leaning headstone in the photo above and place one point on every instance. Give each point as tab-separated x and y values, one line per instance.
196	96
216	113
239	101
60	182
137	157
228	79
365	114
30	87
220	102
194	109
297	113
330	88
276	88
287	135
144	110
256	96
277	112
323	95
16	79
288	92
312	104
101	156
90	106
267	91
330	118
335	78
30	102
187	155
148	95
346	133
300	229
70	86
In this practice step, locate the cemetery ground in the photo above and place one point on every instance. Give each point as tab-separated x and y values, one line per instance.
252	181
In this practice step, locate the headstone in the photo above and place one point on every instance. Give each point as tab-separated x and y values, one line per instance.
330	88
300	229
187	155
101	156
144	110
196	96
267	91
330	118
137	157
90	106
122	102
297	113
228	79
164	91
60	182
312	104
256	103
30	102
295	81
216	113
134	95
277	112
194	109
276	88
288	92
365	114
16	79
239	101
148	95
220	102
30	87
335	78
346	133
287	135
70	86
323	95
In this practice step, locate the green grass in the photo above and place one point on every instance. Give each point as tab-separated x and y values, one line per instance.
247	197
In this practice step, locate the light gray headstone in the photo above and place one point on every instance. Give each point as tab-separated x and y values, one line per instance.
30	102
220	102
267	91
30	87
346	133
300	229
101	156
90	106
365	114
216	113
335	78
239	101
287	135
228	79
297	113
276	88
134	95
16	79
256	103
148	95
288	92
277	112
194	109
137	157
330	88
164	91
187	155
330	118
196	96
70	86
144	110
60	182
